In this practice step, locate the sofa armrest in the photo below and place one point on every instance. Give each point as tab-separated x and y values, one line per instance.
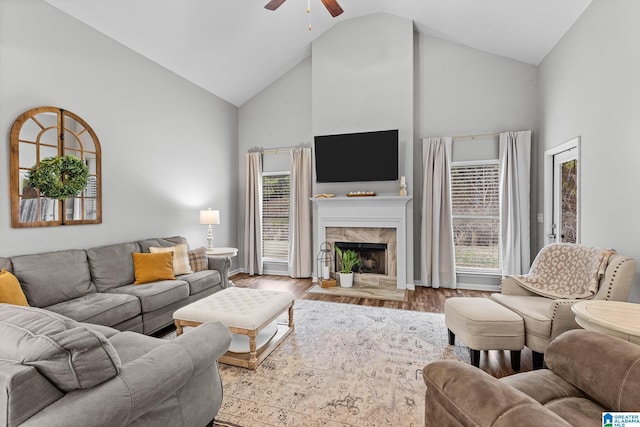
221	264
141	384
510	287
562	317
460	394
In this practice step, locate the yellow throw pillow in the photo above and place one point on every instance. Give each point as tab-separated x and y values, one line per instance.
152	267
180	258
10	290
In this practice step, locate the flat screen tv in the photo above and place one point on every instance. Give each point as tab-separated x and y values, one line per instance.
353	157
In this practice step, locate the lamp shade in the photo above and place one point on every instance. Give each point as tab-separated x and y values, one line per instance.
210	217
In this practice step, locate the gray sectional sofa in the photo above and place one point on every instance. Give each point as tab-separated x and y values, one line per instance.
56	372
96	285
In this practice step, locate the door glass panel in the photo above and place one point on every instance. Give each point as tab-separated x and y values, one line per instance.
569	201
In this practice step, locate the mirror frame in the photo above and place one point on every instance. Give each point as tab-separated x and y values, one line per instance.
15	167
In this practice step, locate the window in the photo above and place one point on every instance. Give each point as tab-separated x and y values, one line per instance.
275	216
476	215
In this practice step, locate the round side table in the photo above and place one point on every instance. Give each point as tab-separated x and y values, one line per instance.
616	318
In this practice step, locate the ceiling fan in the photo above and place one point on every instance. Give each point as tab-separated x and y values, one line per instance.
332	6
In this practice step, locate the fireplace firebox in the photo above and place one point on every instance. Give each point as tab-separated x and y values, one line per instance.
373	256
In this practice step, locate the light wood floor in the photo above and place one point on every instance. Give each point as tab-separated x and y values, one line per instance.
497	363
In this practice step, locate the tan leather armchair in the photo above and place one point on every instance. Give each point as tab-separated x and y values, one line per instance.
546	318
588	373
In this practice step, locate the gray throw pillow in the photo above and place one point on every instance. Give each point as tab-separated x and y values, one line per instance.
70	355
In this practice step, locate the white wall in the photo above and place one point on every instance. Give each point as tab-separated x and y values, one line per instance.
279	116
590	87
168	147
463	91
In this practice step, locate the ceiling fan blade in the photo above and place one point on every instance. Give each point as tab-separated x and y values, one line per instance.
333	7
274	4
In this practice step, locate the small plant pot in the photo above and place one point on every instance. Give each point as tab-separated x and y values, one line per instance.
346	280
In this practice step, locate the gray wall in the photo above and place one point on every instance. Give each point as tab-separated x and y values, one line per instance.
168	147
589	87
463	91
279	116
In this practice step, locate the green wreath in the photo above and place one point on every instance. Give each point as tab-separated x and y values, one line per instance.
59	177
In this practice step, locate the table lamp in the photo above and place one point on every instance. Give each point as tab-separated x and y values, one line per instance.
210	217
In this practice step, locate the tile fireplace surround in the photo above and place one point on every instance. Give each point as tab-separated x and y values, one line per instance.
377	219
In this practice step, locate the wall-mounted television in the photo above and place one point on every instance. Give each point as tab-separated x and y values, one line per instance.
352	157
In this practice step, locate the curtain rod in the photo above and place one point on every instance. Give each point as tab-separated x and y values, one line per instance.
480	135
277	150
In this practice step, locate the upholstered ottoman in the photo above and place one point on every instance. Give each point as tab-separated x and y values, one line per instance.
250	314
483	324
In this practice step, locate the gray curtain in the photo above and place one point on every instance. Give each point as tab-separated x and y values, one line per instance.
253	214
300	252
515	165
438	254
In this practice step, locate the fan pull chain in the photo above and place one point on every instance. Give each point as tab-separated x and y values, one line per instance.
309	12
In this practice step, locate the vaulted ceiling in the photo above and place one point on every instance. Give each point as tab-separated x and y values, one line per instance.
236	48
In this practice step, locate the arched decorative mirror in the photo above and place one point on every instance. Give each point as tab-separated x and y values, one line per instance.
42	136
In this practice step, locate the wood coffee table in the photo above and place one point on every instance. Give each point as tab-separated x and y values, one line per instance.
246	312
619	319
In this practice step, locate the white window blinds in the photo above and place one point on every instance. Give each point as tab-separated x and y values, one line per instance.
476	215
275	216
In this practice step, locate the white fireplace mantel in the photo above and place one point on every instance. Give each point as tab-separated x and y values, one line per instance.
375	211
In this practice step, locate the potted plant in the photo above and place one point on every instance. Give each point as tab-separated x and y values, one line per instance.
348	261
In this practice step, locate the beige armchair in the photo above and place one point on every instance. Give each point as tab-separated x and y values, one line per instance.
545	318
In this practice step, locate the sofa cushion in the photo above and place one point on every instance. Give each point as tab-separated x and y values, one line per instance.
161	242
198	259
201	280
152	267
23	393
101	308
533	311
53	277
180	257
112	265
10	290
156	295
69	355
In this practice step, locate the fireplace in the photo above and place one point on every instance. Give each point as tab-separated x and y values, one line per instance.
373	256
379	220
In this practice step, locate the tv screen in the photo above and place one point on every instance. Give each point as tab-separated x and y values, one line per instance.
352	157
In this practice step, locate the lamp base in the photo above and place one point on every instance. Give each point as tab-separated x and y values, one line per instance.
210	238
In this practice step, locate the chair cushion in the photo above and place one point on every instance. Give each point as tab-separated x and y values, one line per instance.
180	257
584	358
156	295
53	277
10	290
69	355
101	308
152	267
533	311
112	265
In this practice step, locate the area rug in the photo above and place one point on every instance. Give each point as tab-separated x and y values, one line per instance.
361	292
344	365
